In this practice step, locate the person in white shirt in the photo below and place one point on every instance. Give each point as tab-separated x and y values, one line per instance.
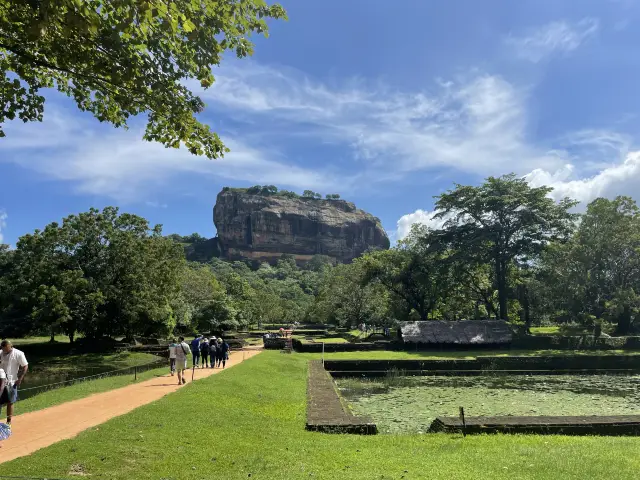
182	351
172	356
15	367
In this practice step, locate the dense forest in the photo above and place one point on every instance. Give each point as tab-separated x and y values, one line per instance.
505	250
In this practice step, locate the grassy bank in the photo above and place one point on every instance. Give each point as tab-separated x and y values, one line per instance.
248	422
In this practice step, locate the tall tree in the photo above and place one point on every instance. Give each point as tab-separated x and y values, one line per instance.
596	275
411	273
121	58
100	273
502	220
345	299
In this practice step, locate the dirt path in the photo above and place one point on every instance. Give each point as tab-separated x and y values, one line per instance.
35	430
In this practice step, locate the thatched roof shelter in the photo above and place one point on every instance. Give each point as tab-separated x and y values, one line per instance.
462	332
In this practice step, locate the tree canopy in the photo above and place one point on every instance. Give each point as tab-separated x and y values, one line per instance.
507	250
502	221
121	58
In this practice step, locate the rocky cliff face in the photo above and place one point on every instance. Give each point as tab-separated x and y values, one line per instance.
265	227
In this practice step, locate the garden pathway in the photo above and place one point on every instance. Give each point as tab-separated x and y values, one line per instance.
35	430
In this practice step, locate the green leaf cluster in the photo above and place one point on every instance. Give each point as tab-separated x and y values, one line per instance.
122	58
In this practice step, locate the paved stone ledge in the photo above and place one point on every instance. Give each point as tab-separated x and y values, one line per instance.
325	410
569	425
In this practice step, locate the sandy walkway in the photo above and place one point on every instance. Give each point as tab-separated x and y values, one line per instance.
36	430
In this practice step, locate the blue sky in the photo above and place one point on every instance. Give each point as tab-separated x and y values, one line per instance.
386	103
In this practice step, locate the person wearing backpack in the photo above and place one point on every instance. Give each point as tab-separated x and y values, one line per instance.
204	353
224	352
213	351
195	349
182	352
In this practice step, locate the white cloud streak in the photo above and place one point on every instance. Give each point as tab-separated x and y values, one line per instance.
558	37
476	124
3	223
117	164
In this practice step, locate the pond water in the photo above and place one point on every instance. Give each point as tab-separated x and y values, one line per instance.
410	404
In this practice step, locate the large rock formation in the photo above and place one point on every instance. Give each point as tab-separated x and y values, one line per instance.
264	227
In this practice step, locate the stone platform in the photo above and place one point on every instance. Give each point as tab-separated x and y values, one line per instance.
325	411
578	425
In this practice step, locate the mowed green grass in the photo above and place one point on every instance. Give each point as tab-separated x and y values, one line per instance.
552	330
248	422
324	340
17	342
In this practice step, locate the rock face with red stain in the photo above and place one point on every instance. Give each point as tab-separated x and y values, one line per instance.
264	227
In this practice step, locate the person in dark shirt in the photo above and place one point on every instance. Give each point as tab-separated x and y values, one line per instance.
204	353
195	349
213	351
224	352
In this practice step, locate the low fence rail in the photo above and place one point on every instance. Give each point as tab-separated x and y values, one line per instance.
132	370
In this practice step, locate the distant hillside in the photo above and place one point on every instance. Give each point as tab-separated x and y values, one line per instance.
198	248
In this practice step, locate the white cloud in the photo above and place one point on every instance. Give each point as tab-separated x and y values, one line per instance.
155	204
555	37
423	217
3	223
119	165
476	124
622	178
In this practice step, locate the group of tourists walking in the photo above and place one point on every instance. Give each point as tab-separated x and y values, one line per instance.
206	353
13	368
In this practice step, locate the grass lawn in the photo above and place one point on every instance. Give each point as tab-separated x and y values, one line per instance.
555	330
248	422
326	340
31	340
569	330
81	390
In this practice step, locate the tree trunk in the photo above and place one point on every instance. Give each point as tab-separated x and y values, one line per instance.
624	321
72	335
52	338
527	309
501	284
